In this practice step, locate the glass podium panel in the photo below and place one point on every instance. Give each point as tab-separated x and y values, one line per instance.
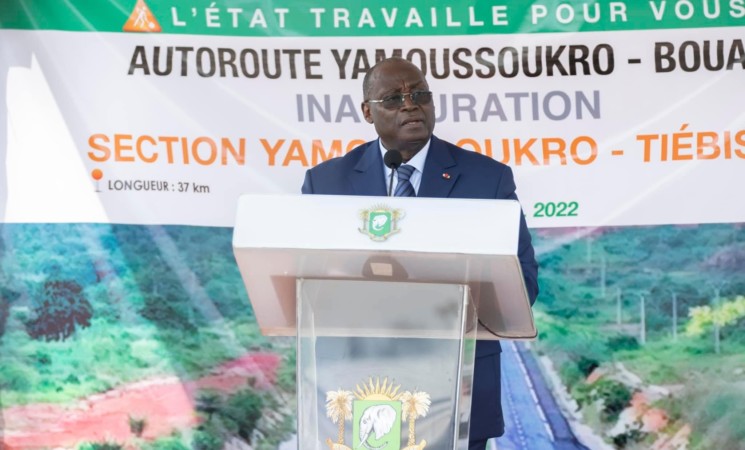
384	365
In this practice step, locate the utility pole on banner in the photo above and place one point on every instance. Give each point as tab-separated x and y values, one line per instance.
643	320
602	275
675	316
717	326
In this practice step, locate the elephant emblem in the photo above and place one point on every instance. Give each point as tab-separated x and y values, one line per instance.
378	419
379	221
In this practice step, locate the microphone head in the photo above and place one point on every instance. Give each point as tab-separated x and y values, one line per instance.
393	159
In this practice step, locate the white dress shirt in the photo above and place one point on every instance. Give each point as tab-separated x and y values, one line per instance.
417	161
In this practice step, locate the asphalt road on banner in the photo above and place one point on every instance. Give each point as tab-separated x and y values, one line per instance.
533	420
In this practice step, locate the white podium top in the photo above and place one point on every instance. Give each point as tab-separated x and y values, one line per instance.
279	238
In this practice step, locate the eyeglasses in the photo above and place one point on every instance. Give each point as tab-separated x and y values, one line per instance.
396	101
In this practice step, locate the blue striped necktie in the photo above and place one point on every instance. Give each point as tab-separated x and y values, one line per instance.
404	187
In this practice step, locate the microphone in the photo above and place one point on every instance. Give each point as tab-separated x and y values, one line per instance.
392	160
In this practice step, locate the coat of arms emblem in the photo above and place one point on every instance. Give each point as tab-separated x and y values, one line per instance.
376	412
380	221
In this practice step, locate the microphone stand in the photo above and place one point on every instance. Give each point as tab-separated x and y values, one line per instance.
392	160
390	184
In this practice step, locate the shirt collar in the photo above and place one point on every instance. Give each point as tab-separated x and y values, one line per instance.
417	161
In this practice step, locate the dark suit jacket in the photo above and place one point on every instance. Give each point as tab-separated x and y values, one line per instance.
472	175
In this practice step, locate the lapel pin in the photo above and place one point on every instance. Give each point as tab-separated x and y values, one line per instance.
446	176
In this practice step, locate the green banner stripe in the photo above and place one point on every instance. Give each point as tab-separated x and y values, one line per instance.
379	18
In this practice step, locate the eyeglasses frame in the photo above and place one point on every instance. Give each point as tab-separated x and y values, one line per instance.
412	95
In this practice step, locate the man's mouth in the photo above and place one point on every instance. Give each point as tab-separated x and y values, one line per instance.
411	122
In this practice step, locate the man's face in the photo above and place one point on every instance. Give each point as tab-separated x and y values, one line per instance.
408	127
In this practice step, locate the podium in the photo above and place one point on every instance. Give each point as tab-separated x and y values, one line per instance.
387	297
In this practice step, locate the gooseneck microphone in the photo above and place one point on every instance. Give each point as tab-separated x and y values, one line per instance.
392	160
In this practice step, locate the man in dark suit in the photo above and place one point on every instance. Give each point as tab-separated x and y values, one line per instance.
399	104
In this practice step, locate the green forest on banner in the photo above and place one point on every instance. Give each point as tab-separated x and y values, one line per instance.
138	311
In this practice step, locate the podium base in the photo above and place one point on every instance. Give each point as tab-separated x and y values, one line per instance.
383	364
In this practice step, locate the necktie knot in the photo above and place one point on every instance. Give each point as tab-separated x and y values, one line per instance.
404	172
404	188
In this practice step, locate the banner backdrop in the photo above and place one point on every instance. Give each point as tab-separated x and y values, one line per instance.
130	127
610	113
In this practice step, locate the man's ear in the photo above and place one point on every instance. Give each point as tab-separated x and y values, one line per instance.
366	112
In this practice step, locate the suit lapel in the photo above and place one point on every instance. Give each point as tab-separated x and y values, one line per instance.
368	178
440	171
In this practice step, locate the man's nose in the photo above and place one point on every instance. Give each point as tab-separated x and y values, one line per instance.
408	101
